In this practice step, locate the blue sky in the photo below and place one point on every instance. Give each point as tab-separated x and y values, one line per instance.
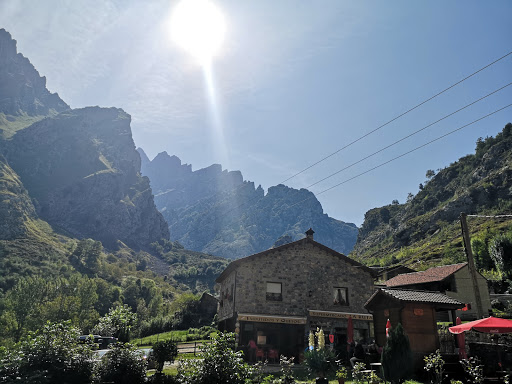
294	82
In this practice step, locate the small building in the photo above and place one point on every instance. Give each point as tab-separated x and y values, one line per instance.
415	310
277	296
454	281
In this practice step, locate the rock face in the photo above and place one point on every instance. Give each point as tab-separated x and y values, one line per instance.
215	211
22	90
15	204
82	170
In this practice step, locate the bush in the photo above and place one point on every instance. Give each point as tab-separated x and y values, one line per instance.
320	361
164	351
51	355
397	356
218	363
123	364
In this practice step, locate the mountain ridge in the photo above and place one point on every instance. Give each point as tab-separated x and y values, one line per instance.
218	212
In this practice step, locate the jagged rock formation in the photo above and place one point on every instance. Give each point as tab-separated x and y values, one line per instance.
22	89
215	211
479	183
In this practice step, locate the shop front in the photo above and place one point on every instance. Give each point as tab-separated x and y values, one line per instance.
266	337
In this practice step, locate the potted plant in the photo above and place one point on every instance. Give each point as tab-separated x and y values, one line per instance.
320	362
341	375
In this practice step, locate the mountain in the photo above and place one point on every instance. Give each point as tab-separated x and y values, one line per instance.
215	211
426	230
25	98
79	167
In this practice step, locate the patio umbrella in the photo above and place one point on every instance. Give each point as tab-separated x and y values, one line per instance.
461	342
350	332
487	325
388	327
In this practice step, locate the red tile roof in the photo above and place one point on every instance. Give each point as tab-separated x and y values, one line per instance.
429	276
440	300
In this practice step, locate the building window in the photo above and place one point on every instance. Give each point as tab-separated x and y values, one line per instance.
274	292
340	296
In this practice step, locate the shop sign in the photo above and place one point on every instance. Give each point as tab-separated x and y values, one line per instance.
341	315
272	319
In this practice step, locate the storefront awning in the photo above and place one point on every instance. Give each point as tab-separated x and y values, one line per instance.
340	315
271	319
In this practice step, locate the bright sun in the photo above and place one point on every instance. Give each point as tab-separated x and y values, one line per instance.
198	26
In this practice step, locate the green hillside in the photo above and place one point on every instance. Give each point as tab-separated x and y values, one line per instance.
425	231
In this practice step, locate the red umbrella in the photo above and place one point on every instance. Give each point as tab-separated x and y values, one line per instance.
487	325
461	341
350	332
388	327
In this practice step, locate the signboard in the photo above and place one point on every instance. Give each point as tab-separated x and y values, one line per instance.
272	319
341	315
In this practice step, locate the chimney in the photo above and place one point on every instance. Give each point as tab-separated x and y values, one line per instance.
309	233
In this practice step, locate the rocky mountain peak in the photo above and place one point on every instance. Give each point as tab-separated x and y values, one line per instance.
22	89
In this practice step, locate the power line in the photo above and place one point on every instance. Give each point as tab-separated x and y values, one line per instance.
395	118
234	190
403	154
491	217
406	137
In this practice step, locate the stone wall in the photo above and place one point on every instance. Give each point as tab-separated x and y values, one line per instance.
308	274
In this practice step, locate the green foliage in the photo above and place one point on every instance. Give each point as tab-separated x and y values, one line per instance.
51	355
164	351
473	369
428	224
286	364
122	364
500	251
434	365
118	323
320	361
218	363
397	356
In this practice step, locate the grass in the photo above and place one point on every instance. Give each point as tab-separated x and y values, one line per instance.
178	336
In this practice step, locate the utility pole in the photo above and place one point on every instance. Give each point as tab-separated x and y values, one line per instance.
471	264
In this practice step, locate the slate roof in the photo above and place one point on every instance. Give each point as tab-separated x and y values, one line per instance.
235	263
409	295
429	276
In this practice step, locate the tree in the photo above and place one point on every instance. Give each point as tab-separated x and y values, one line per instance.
395	202
430	174
122	364
164	351
50	355
117	322
420	187
500	251
218	363
397	356
410	197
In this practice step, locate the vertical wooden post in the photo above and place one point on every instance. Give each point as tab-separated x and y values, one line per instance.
471	264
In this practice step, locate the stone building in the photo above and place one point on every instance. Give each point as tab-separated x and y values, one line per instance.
453	280
277	296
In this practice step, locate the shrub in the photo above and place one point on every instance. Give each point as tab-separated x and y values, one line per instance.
51	355
434	365
320	361
218	363
164	351
123	364
396	356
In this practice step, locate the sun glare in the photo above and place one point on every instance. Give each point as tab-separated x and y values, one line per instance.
198	27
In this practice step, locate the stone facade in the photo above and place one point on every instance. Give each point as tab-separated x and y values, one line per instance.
308	276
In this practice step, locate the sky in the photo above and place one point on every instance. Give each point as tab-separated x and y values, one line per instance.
293	82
